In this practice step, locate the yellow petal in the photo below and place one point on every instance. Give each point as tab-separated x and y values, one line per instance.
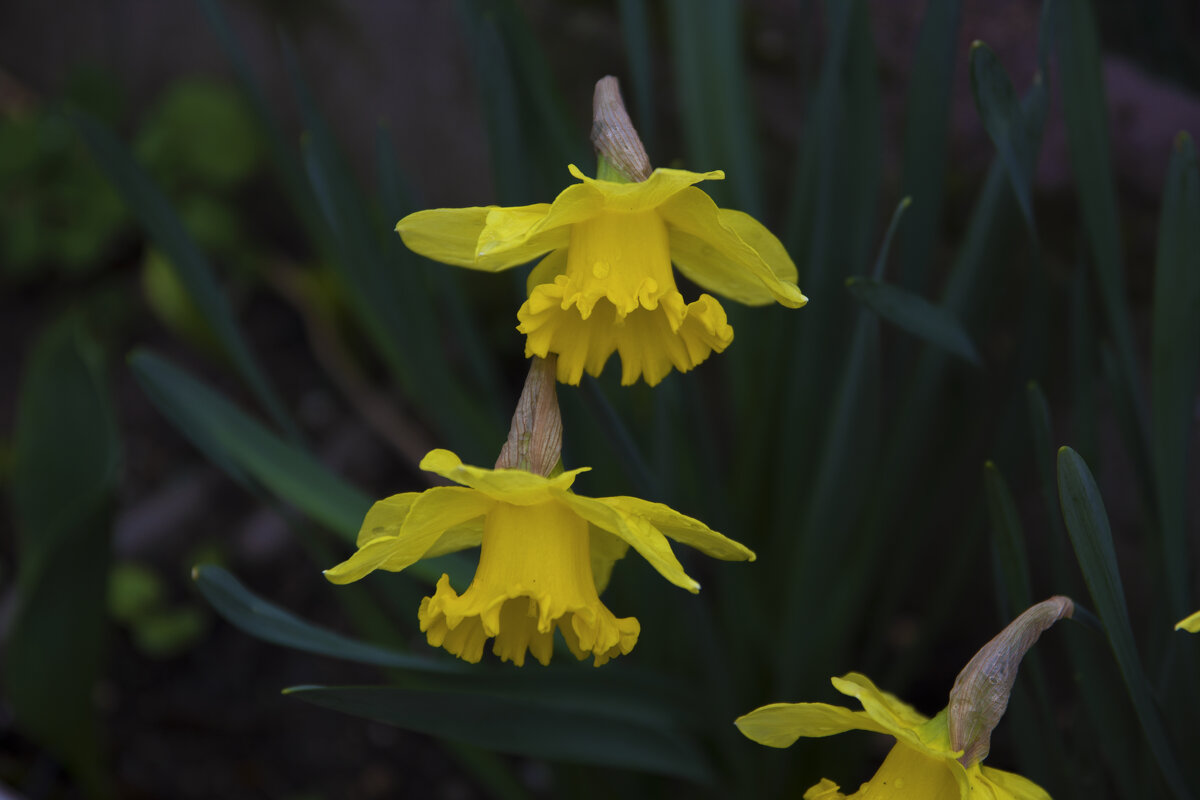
661	186
729	252
650	341
433	513
825	790
1005	786
487	238
894	715
683	528
514	486
460	537
606	551
781	724
640	535
385	517
1190	624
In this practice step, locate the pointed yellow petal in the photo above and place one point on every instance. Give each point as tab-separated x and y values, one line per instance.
487	238
640	535
824	790
661	186
460	537
1006	786
433	513
781	724
385	517
606	551
1190	624
897	717
514	486
683	528
729	252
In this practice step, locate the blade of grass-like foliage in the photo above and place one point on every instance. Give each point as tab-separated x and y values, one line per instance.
718	123
925	130
530	137
1009	542
163	226
381	295
915	315
622	441
251	453
1087	523
529	723
1000	110
849	451
283	152
841	194
1095	685
1085	110
264	620
65	459
1176	359
1043	456
437	282
635	29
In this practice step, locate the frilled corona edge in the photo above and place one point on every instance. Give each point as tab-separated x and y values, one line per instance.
605	283
921	764
545	556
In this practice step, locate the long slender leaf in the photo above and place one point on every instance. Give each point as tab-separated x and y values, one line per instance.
635	28
264	620
916	315
718	121
65	455
925	131
1087	524
1004	121
1176	359
250	452
1085	110
525	723
165	228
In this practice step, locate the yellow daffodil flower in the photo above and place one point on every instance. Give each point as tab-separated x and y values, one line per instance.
605	282
1190	624
546	553
921	765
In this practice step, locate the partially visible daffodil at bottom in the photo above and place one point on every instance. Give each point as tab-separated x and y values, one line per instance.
546	553
933	759
1190	624
921	764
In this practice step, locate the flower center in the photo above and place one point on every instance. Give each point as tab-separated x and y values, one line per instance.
624	257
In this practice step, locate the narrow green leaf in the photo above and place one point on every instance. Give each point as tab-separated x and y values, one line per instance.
529	723
1000	110
264	620
916	315
1085	110
926	126
65	458
635	29
705	38
1009	541
1176	359
249	452
282	150
163	226
1087	523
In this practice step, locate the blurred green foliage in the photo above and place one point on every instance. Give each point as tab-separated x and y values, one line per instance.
846	455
